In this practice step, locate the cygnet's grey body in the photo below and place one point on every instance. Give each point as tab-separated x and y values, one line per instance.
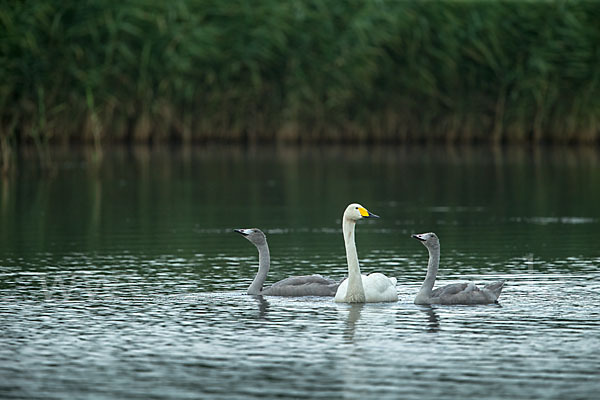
306	285
456	293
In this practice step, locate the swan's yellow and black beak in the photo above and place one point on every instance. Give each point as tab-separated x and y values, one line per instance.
366	213
418	237
243	232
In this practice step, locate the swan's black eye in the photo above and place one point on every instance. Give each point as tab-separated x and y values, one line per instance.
357	208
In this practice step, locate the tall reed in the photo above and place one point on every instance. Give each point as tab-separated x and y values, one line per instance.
101	71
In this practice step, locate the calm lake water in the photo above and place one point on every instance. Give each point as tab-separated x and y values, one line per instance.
123	279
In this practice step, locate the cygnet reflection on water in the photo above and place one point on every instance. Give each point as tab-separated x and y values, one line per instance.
263	306
433	321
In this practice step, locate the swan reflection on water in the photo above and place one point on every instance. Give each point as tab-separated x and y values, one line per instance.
351	320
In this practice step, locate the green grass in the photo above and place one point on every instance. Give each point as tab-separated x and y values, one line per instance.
101	71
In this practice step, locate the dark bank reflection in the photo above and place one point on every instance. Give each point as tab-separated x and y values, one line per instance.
156	197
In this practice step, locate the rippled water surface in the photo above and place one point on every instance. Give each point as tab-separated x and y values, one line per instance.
123	279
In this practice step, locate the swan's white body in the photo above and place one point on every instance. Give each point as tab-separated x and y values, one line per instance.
358	288
305	285
377	288
456	293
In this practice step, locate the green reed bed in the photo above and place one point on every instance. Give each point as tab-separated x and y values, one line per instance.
101	71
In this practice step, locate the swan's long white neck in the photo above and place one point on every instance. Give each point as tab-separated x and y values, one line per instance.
432	269
264	261
355	292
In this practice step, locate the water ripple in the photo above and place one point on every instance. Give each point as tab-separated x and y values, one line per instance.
182	327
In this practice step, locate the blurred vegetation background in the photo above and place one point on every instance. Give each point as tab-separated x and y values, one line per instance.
103	71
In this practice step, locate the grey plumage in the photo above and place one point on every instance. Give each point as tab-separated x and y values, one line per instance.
456	293
304	285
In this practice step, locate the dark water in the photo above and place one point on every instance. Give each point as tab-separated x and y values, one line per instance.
124	280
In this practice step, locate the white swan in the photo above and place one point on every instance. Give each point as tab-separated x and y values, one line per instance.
306	285
456	293
359	288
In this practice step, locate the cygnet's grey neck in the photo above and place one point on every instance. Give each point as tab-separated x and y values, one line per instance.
264	262
432	269
355	289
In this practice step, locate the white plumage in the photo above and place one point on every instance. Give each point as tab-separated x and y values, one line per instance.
358	288
377	288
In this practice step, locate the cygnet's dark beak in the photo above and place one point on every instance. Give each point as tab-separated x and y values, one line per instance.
418	237
241	232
